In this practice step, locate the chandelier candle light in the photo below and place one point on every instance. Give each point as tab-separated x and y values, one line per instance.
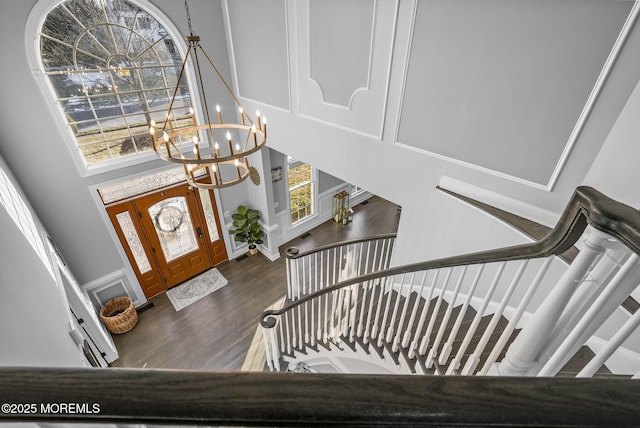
172	140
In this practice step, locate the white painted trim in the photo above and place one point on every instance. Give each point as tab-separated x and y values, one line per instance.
292	45
342	127
109	280
367	85
405	70
233	66
523	209
469	165
577	129
595	92
295	60
387	88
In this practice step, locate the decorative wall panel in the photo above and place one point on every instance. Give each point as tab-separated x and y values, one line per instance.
342	74
535	63
260	50
330	50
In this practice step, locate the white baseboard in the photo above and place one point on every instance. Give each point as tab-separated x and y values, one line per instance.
115	284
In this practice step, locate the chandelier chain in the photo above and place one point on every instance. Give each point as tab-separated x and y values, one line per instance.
186	7
207	164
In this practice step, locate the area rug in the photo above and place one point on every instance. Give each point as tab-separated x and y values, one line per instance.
195	289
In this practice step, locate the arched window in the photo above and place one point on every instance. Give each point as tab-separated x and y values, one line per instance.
113	67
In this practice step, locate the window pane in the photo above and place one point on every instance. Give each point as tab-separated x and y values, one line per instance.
300	192
133	241
209	215
173	227
111	61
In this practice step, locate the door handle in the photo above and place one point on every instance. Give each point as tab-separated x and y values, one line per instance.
199	231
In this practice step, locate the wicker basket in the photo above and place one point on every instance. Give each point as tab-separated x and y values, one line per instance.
119	315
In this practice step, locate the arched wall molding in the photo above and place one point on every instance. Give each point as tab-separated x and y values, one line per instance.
364	86
364	115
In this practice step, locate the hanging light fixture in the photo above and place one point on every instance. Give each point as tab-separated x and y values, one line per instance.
224	159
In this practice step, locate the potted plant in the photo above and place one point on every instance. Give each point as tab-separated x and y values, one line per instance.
247	229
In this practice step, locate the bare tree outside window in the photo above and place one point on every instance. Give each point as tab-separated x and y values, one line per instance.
113	68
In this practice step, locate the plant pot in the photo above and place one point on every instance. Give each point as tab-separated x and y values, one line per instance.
253	250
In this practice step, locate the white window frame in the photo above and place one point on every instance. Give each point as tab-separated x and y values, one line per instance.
34	23
292	163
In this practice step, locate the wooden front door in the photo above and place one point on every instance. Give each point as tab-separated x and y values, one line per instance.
171	223
169	236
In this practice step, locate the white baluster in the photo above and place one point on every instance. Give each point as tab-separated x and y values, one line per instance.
288	330
380	259
385	315
414	312
364	260
321	285
423	315
392	323
382	285
523	352
614	343
307	322
455	364
274	344
399	331
344	310
427	335
289	278
299	338
366	296
474	359
515	318
269	352
445	320
372	299
448	346
316	286
327	310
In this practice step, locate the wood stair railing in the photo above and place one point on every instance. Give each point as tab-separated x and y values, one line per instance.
386	350
184	397
373	307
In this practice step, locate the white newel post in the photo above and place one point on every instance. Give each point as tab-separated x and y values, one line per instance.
524	351
620	286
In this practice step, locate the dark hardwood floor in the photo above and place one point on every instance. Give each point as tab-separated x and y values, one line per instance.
216	332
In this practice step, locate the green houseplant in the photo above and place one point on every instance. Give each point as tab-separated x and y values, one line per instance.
247	227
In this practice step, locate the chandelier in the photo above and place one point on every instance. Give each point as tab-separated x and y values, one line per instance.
180	138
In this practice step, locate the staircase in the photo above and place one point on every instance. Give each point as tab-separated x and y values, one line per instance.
519	311
394	355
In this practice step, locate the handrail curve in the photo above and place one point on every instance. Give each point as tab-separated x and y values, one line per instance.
293	252
586	207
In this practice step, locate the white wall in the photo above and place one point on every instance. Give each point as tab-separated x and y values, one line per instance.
620	153
360	149
34	313
408	177
35	146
